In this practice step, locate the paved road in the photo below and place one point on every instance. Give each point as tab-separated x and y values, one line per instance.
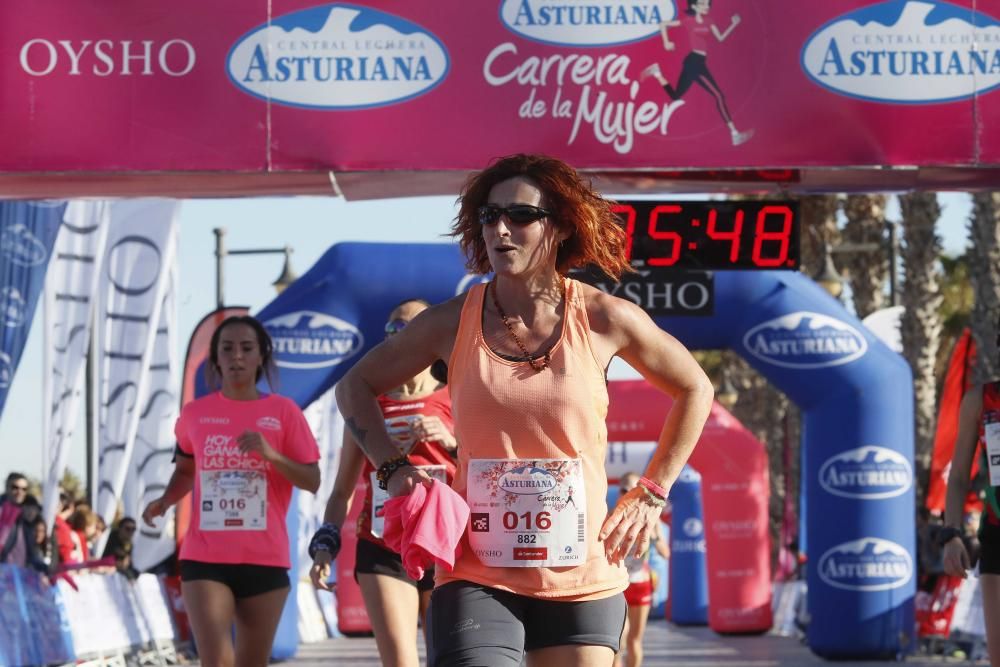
665	646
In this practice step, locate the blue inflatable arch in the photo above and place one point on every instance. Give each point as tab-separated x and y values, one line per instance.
855	395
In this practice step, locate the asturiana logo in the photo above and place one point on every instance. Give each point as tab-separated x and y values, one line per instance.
805	340
868	564
906	51
869	472
586	23
338	57
269	423
21	247
307	339
527	481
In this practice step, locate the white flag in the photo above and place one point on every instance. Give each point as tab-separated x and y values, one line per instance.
327	425
69	287
140	250
152	456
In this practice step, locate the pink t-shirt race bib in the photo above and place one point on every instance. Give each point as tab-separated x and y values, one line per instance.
240	501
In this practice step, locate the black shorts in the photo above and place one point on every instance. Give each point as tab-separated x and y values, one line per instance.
470	624
371	558
989	545
243	580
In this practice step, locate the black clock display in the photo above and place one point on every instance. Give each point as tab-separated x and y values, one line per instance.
712	235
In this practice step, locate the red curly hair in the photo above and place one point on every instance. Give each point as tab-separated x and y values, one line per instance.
596	236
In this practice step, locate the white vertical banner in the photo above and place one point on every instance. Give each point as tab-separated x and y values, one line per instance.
327	425
141	248
152	455
70	285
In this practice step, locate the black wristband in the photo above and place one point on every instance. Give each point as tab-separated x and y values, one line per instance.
947	533
327	538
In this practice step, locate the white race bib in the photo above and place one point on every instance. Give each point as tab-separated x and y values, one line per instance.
991	430
527	513
379	497
233	500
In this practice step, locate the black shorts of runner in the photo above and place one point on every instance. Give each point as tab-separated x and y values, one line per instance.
472	624
243	580
989	545
371	558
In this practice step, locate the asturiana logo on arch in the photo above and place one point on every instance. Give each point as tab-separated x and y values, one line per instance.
307	339
907	52
868	564
527	481
805	340
869	472
338	57
586	22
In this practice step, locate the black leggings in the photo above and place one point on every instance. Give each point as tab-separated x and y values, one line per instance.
474	625
695	70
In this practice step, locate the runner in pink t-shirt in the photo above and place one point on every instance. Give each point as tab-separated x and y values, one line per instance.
241	452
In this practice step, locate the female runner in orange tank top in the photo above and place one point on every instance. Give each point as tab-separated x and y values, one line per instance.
528	355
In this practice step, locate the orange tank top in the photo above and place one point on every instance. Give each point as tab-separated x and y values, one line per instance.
505	410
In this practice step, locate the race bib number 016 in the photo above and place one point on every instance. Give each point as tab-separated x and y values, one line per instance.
527	513
233	500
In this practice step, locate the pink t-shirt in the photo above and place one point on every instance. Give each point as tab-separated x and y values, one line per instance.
240	501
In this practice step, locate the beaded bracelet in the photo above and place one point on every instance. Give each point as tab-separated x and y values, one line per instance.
653	499
653	488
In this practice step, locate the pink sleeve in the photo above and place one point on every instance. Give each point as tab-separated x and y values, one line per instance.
181	433
299	443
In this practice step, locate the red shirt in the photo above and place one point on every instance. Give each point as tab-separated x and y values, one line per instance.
699	34
64	540
398	417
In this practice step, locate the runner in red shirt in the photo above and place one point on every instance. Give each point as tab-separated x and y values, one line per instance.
418	418
241	452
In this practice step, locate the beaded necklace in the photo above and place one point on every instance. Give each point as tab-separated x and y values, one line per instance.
536	365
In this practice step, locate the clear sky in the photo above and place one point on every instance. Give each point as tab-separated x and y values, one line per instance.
310	225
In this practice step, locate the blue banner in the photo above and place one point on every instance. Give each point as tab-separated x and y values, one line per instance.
27	232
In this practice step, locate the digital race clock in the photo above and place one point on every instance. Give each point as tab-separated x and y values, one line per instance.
714	235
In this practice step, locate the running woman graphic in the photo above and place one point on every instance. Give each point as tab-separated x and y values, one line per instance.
695	66
569	497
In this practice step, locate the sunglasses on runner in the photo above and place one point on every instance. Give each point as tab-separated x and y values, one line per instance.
394	326
519	214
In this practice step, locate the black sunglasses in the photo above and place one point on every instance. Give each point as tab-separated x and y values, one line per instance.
395	326
519	214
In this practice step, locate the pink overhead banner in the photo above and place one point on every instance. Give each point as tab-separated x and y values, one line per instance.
253	85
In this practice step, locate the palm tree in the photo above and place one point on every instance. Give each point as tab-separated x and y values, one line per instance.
984	275
866	271
765	412
819	230
920	328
